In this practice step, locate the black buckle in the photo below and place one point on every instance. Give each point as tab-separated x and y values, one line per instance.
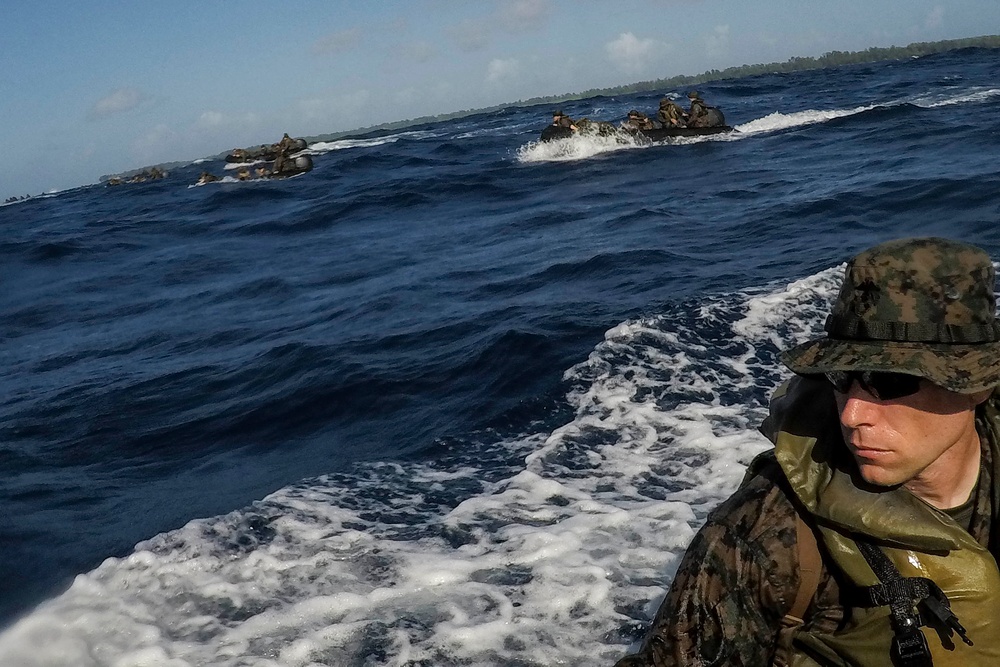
909	648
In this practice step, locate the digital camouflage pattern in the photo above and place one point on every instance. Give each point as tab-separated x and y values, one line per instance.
740	574
669	113
736	581
921	306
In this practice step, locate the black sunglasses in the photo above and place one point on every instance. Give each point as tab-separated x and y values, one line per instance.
882	385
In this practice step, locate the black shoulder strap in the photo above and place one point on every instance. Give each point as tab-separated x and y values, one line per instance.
907	598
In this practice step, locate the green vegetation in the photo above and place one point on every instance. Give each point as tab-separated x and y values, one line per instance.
831	59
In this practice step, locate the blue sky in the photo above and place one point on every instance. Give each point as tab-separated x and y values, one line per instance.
89	88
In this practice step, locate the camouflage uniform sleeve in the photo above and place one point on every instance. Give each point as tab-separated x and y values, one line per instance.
733	586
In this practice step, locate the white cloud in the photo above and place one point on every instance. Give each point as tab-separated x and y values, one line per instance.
117	101
513	16
935	18
336	110
522	15
768	39
210	119
151	146
502	70
419	52
717	41
631	54
337	42
470	35
421	100
215	120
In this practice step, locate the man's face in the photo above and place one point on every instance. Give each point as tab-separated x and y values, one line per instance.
916	437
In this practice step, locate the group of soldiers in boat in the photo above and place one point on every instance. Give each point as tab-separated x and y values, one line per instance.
151	174
699	118
285	157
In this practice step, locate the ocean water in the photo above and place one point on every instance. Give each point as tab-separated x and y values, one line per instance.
453	397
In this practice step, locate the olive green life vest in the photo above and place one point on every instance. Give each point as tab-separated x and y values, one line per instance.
920	540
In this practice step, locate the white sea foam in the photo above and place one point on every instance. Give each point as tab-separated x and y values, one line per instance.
321	147
224	179
494	131
242	165
577	147
782	121
977	96
791	315
549	548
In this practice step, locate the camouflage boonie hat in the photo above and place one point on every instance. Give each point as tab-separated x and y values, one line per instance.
920	306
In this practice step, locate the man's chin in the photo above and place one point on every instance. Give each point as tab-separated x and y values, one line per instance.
875	475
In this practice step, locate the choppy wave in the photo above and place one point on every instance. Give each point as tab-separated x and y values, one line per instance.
453	562
321	147
966	97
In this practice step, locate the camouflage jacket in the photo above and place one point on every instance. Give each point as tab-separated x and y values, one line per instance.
669	113
740	576
697	112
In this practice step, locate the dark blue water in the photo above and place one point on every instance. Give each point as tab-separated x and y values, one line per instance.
174	352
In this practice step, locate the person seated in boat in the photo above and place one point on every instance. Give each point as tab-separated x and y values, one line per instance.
637	120
286	145
867	536
559	119
698	113
670	114
279	162
702	115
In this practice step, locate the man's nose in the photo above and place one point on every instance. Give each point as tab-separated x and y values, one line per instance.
857	407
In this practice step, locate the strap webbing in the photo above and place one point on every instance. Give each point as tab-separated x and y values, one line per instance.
810	566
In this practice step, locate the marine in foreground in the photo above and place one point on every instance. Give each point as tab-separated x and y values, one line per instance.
868	535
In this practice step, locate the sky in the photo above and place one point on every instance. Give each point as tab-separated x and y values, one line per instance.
90	88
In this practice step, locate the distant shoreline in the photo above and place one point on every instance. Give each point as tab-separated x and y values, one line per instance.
794	64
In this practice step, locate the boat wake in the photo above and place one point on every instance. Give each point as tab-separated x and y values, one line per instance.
969	97
783	121
577	147
321	147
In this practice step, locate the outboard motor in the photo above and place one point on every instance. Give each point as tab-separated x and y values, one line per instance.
553	132
714	118
303	163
